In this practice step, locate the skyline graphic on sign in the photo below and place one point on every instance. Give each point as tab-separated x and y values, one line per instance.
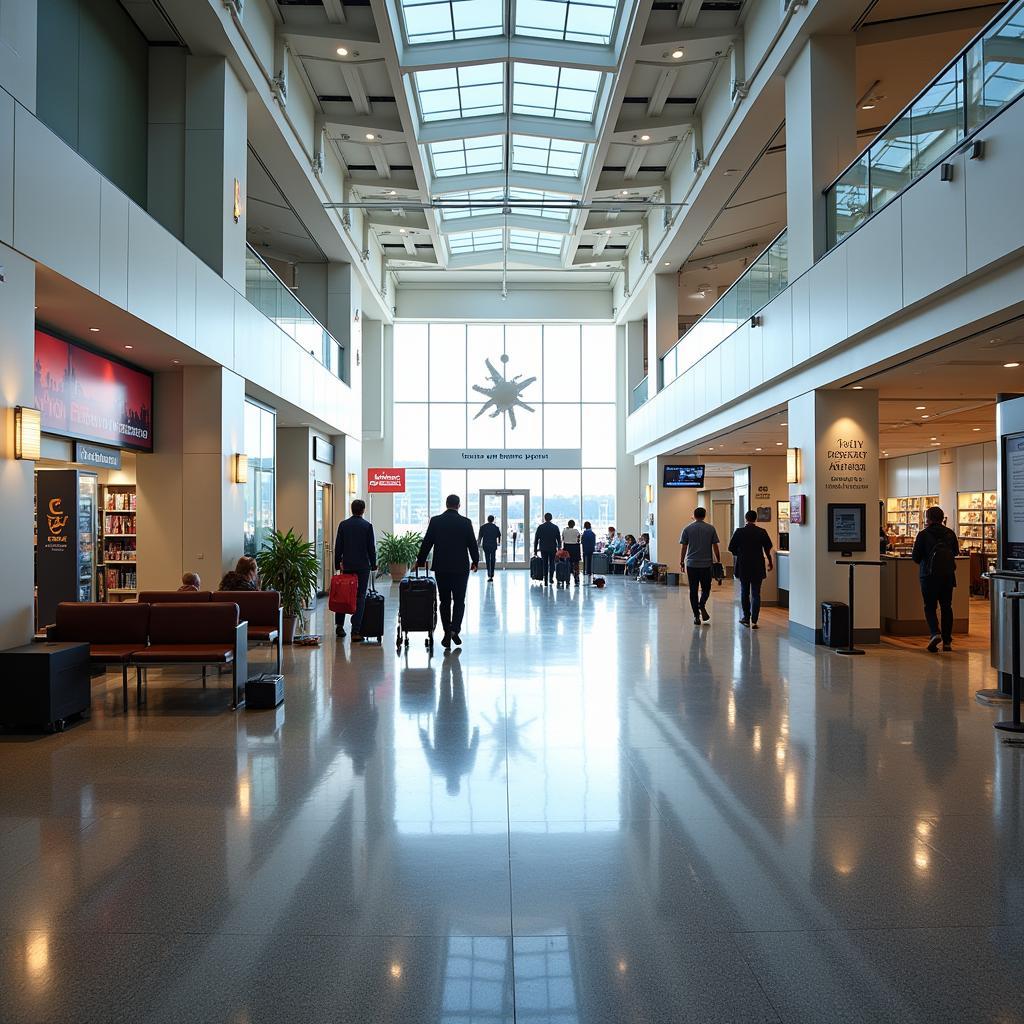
503	394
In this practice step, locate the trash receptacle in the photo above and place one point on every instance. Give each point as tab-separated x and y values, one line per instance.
835	624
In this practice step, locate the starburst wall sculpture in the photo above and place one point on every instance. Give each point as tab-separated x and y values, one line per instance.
503	395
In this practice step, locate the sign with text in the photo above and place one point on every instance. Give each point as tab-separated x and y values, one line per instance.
56	540
505	458
85	395
1013	514
385	481
96	455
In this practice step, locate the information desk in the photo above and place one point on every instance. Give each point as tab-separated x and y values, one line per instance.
901	604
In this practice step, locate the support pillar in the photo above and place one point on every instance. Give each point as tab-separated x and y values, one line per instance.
662	324
836	433
821	139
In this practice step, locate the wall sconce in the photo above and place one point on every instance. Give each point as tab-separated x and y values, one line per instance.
792	465
241	469
650	495
236	206
945	172
351	485
757	320
27	431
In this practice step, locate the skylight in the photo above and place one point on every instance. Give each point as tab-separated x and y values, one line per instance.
547	156
475	241
535	241
467	156
545	91
550	212
581	21
485	195
447	94
440	21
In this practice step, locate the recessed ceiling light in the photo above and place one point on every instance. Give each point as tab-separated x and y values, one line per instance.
933	439
778	444
925	416
885	453
370	136
1010	366
858	387
645	138
935	444
129	346
976	429
667	264
392	193
677	54
625	192
711	448
758	449
95	330
920	407
342	52
784	423
176	362
401	231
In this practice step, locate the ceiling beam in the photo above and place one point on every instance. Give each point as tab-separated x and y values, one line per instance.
689	12
356	89
660	93
636	158
335	11
380	161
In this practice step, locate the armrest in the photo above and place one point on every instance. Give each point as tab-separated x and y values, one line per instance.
51	631
242	652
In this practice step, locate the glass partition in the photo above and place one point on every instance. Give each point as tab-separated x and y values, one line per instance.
638	396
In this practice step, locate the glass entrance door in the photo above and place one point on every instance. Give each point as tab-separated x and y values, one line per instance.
323	518
511	511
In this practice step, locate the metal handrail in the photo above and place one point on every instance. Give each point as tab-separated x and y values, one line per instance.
638	395
290	292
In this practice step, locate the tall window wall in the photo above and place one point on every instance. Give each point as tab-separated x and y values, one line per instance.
573	402
260	446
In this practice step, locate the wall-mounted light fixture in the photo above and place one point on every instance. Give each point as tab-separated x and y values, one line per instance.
241	469
757	320
352	485
945	172
650	495
236	209
792	465
27	431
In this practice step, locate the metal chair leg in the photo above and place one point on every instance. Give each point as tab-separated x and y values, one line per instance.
278	653
124	685
204	677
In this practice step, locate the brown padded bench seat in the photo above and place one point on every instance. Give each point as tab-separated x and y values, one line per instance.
262	610
199	633
173	596
114	632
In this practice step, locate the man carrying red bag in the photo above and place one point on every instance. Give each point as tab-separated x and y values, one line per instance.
355	555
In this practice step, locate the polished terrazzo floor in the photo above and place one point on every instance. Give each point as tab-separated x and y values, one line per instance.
596	812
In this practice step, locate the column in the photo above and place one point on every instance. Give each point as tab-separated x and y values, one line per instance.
216	153
628	340
836	433
821	139
662	323
166	117
17	480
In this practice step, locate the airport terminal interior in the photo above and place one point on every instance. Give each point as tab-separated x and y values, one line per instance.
699	278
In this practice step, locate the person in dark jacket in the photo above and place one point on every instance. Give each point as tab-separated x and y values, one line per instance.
751	547
242	577
488	540
355	551
453	542
935	549
546	542
588	545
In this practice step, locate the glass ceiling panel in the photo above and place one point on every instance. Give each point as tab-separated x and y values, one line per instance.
534	241
440	21
483	195
582	21
549	212
476	241
448	94
547	156
467	156
545	91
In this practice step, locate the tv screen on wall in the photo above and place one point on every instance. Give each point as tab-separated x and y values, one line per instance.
683	476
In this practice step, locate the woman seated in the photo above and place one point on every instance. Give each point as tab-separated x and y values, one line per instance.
242	577
621	557
637	554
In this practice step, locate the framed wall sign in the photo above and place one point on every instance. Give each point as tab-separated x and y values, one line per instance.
846	529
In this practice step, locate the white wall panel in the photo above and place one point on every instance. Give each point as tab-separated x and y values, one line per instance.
18	25
778	335
990	465
801	314
215	315
57	203
874	269
6	167
970	468
713	377
933	483
152	271
827	283
186	297
752	346
113	244
934	233
896	478
917	473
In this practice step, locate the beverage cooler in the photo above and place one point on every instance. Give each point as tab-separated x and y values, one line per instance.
66	508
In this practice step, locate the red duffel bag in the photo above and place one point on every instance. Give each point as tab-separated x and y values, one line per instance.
343	595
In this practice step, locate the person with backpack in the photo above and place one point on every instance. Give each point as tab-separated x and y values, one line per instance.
935	551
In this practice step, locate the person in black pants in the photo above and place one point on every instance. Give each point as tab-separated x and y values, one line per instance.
935	551
751	546
488	541
698	553
453	542
588	544
355	551
546	542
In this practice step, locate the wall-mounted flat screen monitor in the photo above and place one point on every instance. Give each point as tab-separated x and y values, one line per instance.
683	476
1011	515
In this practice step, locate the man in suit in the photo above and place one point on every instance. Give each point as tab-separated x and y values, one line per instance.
355	551
488	539
453	542
751	547
546	541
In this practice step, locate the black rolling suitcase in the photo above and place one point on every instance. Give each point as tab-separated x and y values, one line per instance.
536	568
373	614
417	608
563	570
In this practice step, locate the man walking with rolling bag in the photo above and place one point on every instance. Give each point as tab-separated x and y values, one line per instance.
453	542
546	541
355	552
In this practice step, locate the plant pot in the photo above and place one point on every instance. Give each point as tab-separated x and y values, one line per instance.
288	623
398	571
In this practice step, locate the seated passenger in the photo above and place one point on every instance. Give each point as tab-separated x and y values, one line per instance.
242	577
637	554
619	544
190	581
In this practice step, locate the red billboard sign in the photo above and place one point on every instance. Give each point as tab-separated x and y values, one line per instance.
87	396
385	481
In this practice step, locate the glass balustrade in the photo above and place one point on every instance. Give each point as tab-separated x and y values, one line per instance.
276	301
986	76
638	396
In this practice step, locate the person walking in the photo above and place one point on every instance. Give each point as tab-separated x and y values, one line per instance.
545	543
935	551
571	539
588	545
450	536
488	540
355	550
751	547
699	551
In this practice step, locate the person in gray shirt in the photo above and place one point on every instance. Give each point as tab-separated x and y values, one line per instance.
699	551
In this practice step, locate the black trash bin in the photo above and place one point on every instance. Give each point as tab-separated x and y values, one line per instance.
835	624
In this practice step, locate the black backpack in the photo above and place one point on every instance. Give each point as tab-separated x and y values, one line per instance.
941	563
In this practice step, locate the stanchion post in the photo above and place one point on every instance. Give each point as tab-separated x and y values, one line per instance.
850	649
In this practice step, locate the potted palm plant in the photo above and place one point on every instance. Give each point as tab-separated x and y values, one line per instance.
288	564
398	552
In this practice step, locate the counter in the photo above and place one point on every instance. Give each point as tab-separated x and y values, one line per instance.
901	605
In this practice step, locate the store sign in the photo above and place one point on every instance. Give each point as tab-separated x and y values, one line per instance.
56	547
88	396
96	455
505	458
385	481
323	451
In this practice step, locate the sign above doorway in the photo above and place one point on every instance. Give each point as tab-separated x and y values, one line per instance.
505	458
